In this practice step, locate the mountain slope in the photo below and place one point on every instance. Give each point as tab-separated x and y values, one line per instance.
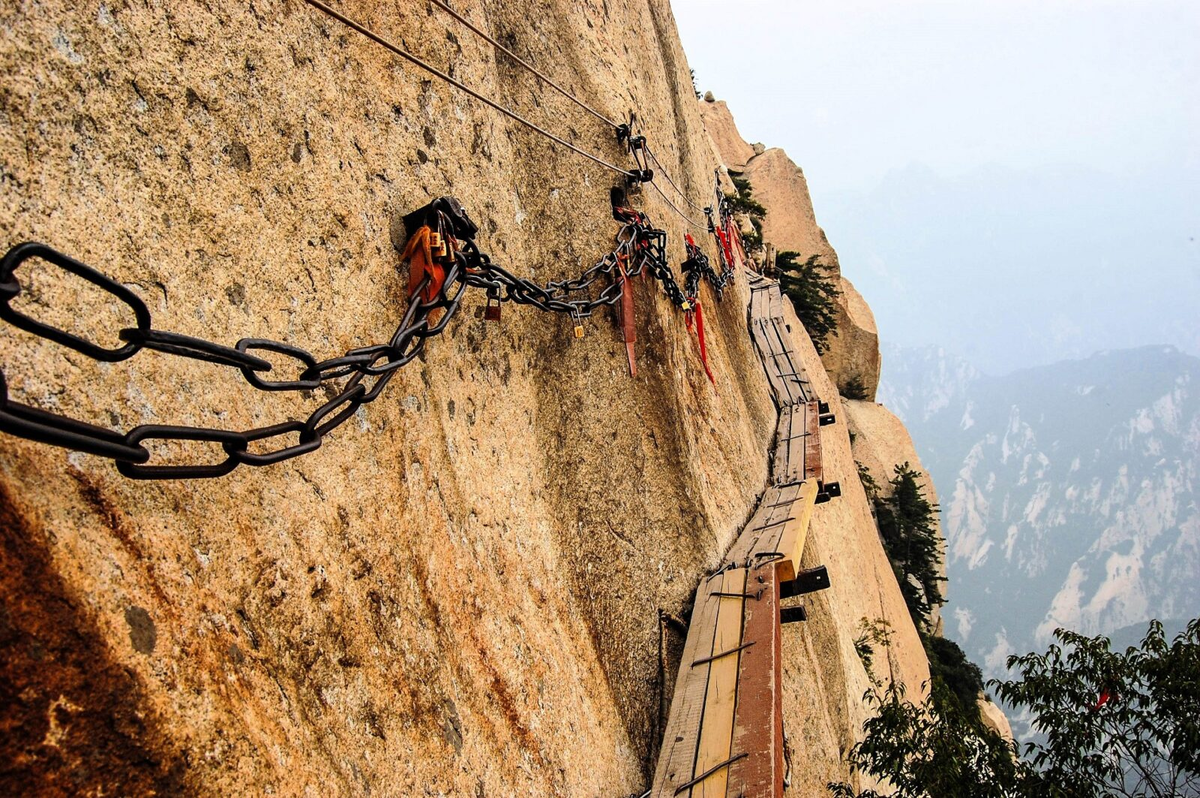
1069	492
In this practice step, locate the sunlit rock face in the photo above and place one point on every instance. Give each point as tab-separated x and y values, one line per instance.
459	592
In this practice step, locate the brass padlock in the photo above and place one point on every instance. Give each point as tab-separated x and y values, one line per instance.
437	245
578	330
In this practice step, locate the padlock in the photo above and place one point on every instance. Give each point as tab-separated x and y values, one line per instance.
578	330
492	311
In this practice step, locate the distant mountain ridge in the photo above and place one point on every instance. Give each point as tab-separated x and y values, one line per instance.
1069	492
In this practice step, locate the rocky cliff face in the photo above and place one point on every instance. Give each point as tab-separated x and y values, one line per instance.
791	225
459	592
880	444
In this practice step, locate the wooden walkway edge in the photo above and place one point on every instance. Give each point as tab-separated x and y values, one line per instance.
724	734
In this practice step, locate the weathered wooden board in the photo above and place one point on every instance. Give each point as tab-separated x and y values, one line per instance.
812	445
758	721
681	738
716	728
789	385
794	533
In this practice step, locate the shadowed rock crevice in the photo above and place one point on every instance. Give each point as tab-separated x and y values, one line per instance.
75	721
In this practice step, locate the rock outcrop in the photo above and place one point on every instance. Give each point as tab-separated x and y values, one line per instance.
791	223
718	122
994	718
458	593
852	358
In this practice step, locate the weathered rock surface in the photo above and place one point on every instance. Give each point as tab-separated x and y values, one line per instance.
881	443
791	223
853	358
459	592
718	121
994	718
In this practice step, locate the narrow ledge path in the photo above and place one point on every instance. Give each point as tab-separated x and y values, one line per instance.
724	733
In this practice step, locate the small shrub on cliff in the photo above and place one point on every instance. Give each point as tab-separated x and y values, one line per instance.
854	389
813	294
742	201
906	523
949	666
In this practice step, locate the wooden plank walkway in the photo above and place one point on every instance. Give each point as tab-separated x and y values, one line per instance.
724	734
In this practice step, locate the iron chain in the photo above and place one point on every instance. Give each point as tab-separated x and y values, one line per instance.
356	378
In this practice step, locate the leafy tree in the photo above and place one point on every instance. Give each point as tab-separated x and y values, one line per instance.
1111	724
949	666
1123	724
931	750
693	73
906	523
813	293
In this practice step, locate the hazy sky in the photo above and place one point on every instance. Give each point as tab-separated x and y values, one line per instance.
1050	147
854	88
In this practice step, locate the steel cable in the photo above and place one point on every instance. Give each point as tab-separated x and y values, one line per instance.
682	215
526	64
662	170
365	31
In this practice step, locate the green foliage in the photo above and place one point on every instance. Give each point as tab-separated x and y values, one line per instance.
950	668
742	201
906	522
1142	741
874	633
925	751
813	293
868	482
929	752
854	388
693	73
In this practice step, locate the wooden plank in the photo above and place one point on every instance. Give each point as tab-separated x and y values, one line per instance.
768	343
758	718
812	448
681	738
716	730
786	467
790	444
795	532
774	509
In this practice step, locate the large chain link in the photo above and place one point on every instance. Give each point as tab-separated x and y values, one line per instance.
366	371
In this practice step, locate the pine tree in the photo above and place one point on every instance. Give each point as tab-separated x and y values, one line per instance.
813	293
906	522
